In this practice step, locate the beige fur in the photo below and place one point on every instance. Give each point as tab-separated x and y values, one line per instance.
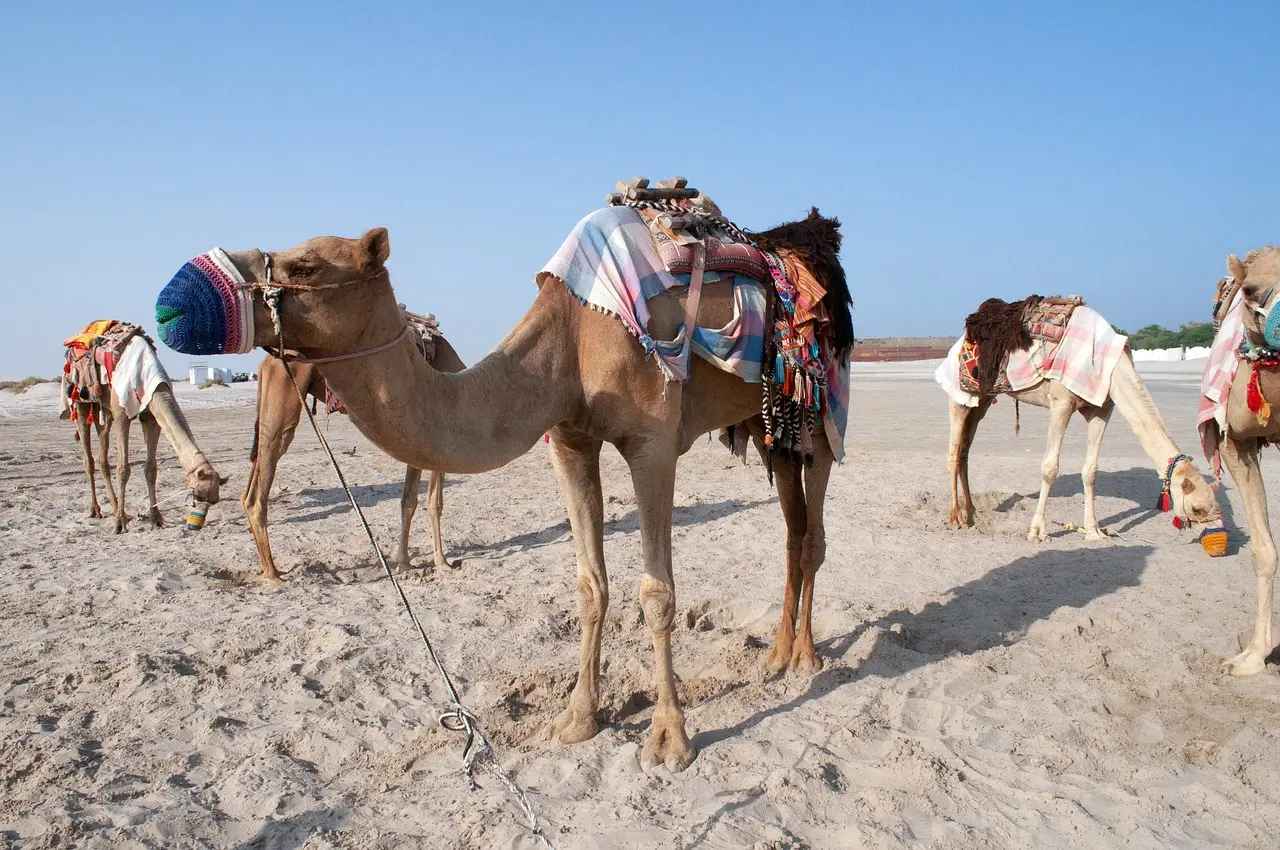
578	374
1193	497
162	414
1259	278
279	412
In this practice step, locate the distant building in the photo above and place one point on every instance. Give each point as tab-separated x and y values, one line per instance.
203	373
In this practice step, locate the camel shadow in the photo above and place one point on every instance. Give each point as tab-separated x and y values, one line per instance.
993	610
1137	483
313	503
292	832
681	516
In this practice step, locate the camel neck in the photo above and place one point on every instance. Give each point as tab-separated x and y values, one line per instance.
471	421
173	424
1139	410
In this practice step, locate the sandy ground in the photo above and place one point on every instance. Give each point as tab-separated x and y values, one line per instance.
979	690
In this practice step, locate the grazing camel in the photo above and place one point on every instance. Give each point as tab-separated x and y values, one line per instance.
1191	496
278	413
159	414
1250	424
565	369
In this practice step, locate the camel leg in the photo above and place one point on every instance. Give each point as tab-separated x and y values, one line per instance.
976	416
1241	458
812	554
653	473
122	424
1060	410
278	413
959	424
1097	419
104	427
435	509
408	505
83	429
786	477
151	434
576	458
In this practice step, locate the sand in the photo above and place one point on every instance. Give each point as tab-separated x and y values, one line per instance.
978	691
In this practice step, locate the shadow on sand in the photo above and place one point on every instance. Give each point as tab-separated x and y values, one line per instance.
993	610
1137	483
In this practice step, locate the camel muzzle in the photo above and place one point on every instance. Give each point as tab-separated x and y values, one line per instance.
207	308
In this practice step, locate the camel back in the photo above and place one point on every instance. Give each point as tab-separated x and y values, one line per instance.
999	327
806	325
91	359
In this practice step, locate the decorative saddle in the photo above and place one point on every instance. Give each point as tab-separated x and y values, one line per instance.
693	238
92	355
998	328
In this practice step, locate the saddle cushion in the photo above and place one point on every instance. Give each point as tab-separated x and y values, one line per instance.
732	257
1047	318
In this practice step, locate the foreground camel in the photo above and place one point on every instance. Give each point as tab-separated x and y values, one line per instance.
1191	495
578	374
1247	432
278	413
161	414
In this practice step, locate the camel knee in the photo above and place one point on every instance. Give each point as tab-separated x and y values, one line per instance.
657	600
815	550
1049	470
593	601
1264	560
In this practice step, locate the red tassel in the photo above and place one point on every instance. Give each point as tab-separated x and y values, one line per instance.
1255	401
1164	503
1178	522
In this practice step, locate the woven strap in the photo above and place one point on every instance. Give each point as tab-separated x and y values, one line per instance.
691	304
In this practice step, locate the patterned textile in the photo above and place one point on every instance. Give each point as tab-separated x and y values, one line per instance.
206	308
91	361
1215	385
1082	362
1048	318
611	264
968	373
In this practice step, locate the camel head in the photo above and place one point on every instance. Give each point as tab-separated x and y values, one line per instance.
1194	497
216	303
206	484
1259	278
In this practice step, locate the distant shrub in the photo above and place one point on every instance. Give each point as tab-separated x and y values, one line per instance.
213	382
20	387
1191	334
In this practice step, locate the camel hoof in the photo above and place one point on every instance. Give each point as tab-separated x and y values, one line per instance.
1037	535
157	521
777	659
668	747
1247	663
573	728
121	526
806	662
273	579
95	512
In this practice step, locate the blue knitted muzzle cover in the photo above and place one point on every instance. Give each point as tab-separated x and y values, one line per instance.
206	308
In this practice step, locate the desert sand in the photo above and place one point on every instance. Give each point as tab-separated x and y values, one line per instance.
978	690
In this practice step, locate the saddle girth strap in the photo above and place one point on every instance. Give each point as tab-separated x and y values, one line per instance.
691	304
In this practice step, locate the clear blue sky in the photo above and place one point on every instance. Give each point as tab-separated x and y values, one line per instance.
1118	151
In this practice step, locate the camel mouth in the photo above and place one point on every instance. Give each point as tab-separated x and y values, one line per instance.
206	308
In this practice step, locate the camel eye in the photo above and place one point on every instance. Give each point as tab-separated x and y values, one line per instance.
301	270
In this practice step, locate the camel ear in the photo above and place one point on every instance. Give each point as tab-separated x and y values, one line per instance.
1235	268
377	247
1187	485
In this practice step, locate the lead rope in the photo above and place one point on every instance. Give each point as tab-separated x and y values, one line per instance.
477	752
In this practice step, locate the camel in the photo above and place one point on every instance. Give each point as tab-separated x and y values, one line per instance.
1248	431
1192	497
161	414
278	413
578	374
